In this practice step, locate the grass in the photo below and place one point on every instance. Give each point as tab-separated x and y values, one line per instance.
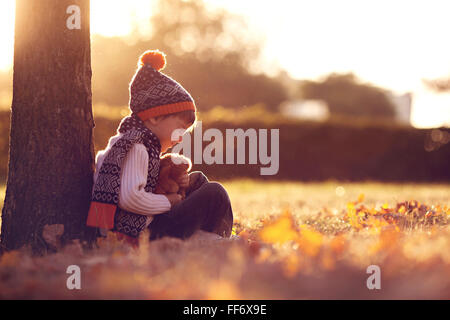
253	200
298	241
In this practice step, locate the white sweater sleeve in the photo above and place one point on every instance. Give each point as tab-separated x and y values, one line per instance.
133	196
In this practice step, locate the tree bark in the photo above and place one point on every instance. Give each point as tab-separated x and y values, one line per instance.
51	156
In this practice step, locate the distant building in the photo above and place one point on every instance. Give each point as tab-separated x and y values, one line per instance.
402	104
316	110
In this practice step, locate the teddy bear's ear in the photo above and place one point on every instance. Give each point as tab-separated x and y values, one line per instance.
189	164
185	167
165	161
165	156
179	160
186	163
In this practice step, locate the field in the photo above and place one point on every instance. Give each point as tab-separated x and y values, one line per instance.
296	241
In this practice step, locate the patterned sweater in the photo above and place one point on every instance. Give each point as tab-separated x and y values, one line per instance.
133	180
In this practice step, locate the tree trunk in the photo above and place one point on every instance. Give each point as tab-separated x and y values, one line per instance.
51	156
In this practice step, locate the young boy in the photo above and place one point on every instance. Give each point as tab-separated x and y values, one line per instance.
127	170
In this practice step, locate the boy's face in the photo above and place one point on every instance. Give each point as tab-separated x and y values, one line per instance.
164	127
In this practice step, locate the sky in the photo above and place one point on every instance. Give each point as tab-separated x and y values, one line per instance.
391	44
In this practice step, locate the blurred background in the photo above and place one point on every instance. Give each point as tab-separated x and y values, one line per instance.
360	90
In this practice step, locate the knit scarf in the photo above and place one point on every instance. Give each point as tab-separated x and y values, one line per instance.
104	211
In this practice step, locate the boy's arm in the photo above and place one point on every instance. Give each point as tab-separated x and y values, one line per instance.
133	196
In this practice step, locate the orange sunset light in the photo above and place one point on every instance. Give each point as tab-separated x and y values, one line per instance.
390	44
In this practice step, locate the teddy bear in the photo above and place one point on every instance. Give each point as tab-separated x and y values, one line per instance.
172	167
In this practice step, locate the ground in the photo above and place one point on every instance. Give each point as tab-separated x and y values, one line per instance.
296	241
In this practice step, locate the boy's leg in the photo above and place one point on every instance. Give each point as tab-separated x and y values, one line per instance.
207	208
196	180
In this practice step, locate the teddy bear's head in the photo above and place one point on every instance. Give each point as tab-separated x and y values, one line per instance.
172	167
178	163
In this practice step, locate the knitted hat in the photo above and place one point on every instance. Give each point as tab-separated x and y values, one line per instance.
152	93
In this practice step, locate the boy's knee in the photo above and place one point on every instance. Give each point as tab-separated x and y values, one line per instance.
217	191
196	180
197	173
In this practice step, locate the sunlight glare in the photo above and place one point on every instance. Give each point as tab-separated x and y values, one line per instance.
7	15
121	18
392	44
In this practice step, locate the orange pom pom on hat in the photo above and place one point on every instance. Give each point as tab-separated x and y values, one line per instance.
153	93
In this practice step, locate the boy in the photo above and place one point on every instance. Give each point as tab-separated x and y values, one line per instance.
127	170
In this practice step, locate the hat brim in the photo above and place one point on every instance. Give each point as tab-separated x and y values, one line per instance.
166	109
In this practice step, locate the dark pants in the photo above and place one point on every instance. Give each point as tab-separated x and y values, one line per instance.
206	207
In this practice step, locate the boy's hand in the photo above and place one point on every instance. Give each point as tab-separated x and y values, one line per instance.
183	180
174	198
